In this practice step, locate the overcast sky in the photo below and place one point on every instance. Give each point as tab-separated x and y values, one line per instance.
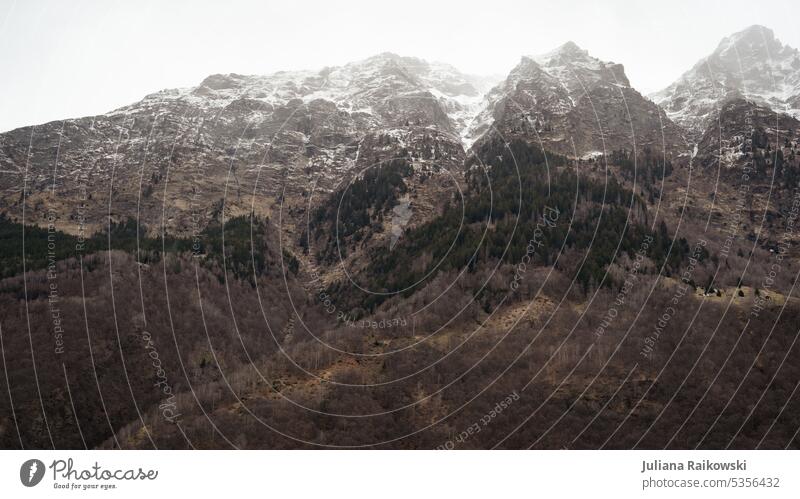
61	59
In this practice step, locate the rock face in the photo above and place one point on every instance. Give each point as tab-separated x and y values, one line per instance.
250	143
279	144
382	91
750	134
751	64
574	104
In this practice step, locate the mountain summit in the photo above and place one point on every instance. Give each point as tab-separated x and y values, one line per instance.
751	64
574	104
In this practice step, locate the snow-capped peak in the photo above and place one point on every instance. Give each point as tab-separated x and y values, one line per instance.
381	82
574	67
751	64
551	83
754	36
567	53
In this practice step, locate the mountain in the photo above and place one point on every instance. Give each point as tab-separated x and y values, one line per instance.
574	104
389	89
740	106
253	143
751	64
383	253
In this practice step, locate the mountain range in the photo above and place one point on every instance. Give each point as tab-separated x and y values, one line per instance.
315	127
310	249
295	130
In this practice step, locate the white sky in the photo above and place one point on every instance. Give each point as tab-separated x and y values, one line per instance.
61	59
